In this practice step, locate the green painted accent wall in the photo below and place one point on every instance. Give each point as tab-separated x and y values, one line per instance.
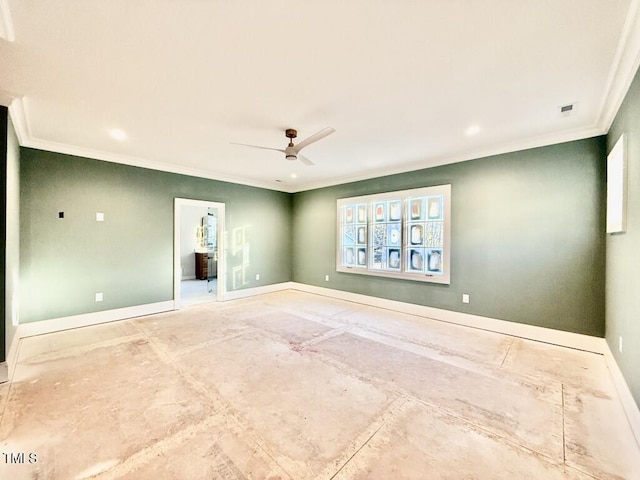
129	256
623	251
528	241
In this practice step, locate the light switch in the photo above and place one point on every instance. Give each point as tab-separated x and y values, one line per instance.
99	217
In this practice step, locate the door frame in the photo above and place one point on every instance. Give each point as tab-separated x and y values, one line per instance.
177	264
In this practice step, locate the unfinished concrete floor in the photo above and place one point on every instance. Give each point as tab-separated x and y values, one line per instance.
297	386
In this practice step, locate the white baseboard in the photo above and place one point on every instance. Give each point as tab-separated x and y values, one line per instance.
531	332
250	292
626	398
76	321
87	319
541	334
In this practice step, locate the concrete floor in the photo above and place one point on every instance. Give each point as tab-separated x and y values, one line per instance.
297	386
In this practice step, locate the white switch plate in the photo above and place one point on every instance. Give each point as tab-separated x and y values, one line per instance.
620	344
326	278
257	276
99	217
465	298
99	297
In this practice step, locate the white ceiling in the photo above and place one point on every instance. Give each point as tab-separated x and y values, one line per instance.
399	80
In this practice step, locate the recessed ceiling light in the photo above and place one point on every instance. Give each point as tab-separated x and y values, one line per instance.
118	134
293	175
472	130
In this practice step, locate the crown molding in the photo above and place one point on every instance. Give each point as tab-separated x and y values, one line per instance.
19	117
18	112
623	68
139	162
542	141
6	24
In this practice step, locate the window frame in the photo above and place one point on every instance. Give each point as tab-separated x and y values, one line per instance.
378	211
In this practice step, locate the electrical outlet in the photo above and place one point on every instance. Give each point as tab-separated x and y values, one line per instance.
465	298
257	276
99	217
99	297
620	344
326	278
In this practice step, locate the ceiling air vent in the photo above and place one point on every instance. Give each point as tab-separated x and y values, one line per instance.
566	110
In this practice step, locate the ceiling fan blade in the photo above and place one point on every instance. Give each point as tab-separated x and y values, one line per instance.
258	146
314	138
305	160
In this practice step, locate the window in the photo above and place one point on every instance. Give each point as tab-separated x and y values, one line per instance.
398	234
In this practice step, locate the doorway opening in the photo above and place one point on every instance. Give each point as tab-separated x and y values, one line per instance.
199	261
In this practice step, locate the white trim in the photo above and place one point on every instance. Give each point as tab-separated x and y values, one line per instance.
59	324
6	23
623	68
530	332
18	111
19	119
404	222
221	245
430	162
67	149
88	319
250	292
27	140
541	334
626	398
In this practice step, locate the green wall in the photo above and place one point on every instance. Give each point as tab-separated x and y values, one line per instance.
527	237
623	251
11	249
129	256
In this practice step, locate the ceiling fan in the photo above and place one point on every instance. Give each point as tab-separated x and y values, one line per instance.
292	152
